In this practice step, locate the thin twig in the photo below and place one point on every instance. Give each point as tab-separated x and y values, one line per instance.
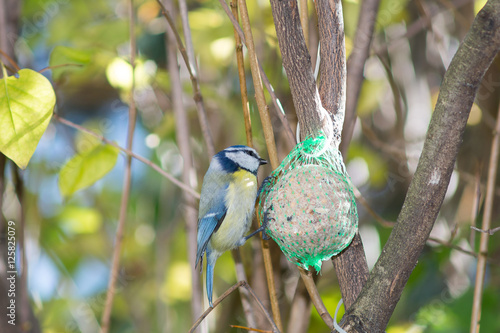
389	224
416	27
271	286
197	96
245	295
127	177
271	148
377	217
59	66
402	158
300	309
9	59
453	246
489	231
245	285
437	35
129	153
277	104
468	177
356	64
476	203
483	242
250	329
262	307
240	269
241	75
182	137
458	16
183	10
315	297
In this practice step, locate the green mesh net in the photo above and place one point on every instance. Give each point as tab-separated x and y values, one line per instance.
309	205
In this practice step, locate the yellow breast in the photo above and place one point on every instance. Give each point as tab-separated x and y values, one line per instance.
240	202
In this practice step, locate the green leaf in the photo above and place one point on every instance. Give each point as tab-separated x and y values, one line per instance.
86	168
80	220
72	59
26	106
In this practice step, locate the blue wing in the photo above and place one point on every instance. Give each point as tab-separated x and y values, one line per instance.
207	225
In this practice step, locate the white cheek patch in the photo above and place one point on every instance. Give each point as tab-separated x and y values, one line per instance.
244	160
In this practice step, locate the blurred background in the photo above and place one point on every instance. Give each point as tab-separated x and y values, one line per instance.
69	241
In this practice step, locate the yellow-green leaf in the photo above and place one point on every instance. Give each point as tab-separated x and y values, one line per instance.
26	106
84	169
80	220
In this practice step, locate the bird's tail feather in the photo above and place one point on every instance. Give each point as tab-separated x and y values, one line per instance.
210	281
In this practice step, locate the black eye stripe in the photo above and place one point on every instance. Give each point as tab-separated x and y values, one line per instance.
251	153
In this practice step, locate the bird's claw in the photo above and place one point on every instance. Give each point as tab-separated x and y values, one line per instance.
265	223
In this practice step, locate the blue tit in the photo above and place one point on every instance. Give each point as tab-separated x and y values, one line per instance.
227	203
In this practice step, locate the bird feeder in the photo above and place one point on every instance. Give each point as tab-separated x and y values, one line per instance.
308	204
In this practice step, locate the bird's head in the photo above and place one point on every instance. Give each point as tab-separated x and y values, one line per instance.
239	157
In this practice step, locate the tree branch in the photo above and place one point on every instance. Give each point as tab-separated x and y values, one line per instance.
356	65
350	265
352	271
376	303
297	64
332	85
197	96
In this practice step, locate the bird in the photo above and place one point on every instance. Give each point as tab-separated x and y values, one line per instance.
227	202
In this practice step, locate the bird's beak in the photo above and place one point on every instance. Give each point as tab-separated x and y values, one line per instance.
262	161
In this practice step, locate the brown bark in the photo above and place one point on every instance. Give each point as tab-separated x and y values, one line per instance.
352	271
297	64
351	266
332	84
